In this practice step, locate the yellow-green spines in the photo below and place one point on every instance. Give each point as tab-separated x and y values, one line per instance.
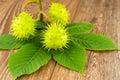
59	13
55	37
23	26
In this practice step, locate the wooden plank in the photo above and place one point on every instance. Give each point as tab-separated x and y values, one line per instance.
100	65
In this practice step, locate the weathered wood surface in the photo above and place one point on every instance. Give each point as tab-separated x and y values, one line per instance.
100	65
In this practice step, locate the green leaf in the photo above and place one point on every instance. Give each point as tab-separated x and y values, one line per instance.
73	58
94	41
81	27
27	60
7	41
40	24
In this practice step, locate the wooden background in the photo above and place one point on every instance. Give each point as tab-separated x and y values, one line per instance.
100	65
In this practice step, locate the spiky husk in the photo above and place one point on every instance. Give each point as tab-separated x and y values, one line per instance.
59	13
23	26
55	37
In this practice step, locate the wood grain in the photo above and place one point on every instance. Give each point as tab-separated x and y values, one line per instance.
100	65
